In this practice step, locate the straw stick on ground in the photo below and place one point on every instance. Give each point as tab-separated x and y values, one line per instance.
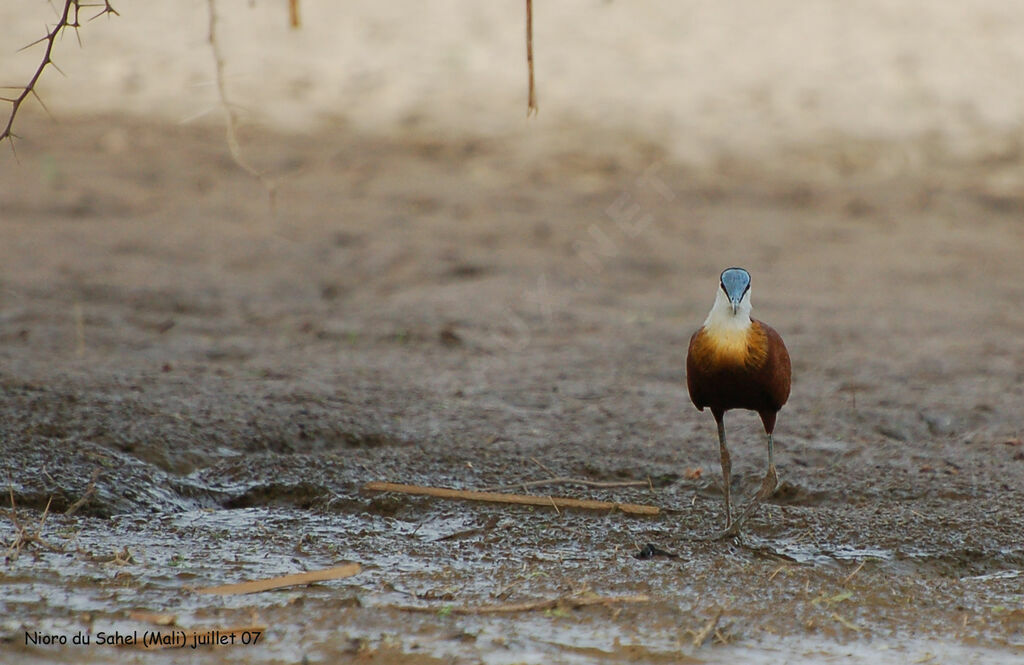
846	622
846	580
90	489
708	630
253	586
568	602
521	499
23	536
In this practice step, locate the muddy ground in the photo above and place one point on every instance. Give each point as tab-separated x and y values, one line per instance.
478	312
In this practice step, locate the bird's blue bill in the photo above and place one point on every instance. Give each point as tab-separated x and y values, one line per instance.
735	283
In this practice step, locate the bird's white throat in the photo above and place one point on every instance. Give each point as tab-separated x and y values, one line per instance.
721	319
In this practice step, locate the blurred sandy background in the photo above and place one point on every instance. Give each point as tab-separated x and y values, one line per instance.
878	85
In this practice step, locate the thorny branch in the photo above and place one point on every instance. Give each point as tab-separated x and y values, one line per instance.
69	18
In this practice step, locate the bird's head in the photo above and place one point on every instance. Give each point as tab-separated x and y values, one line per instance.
730	315
735	284
729	318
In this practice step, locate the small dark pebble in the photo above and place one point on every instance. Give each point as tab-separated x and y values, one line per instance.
650	550
449	337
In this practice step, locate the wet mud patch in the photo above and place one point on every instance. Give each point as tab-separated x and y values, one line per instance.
96	481
422	556
793	494
237	385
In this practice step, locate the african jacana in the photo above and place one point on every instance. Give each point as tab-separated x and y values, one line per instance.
736	362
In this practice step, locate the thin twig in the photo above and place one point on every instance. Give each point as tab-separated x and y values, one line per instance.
531	102
569	481
46	510
569	602
541	465
13	515
79	315
230	112
522	499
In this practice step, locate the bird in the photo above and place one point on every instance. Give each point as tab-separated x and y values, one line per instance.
737	362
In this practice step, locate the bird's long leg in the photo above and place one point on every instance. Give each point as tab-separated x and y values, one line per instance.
768	485
726	471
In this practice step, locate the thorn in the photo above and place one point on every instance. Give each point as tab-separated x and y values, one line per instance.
45	38
104	12
43	104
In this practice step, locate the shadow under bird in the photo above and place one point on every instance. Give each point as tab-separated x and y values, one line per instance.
736	362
